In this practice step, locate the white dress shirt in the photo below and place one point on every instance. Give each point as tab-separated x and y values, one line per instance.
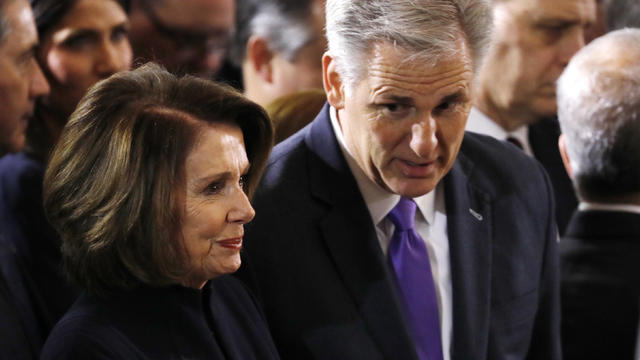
430	223
609	207
480	123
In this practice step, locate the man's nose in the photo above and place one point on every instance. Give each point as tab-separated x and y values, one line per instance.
423	137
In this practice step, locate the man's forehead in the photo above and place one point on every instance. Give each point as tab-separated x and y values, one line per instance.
568	10
21	31
197	14
388	54
390	67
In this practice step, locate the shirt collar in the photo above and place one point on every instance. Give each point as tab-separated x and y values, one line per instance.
481	123
379	201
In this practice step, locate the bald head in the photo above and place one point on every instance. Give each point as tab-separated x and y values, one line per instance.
599	112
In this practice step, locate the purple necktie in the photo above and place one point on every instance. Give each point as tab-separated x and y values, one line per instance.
410	260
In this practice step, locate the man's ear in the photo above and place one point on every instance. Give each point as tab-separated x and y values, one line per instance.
332	82
562	145
259	57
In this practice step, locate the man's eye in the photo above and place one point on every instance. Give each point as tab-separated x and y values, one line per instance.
396	110
445	106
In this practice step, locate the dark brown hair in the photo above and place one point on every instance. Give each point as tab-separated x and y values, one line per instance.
110	187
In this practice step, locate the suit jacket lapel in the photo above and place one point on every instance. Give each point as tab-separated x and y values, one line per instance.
352	242
470	236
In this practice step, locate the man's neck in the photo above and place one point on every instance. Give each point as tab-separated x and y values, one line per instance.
507	118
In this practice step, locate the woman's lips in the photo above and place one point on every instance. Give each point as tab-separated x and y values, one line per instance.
234	244
415	170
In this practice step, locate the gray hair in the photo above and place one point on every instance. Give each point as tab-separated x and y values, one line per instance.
599	113
429	28
622	13
283	23
4	24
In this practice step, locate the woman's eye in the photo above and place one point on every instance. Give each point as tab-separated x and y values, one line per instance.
77	42
243	182
214	188
120	33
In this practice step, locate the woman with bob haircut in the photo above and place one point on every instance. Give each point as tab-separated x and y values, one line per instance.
148	187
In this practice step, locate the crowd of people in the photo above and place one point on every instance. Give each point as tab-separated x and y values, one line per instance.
451	179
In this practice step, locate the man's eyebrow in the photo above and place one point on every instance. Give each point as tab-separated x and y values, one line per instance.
407	100
460	95
29	52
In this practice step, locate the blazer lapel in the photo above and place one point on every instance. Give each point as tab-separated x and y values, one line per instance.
352	242
470	236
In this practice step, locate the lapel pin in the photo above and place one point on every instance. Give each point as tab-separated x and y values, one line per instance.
476	214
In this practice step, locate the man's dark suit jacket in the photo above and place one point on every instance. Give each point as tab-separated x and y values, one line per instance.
600	285
313	259
543	137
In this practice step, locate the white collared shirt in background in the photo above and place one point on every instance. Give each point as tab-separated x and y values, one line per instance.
480	123
583	206
430	223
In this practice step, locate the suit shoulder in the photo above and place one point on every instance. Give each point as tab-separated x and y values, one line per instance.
499	165
286	164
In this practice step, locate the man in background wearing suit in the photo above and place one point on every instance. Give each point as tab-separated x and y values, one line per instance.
599	112
383	231
21	83
515	99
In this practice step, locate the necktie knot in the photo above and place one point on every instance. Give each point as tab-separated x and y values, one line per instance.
403	214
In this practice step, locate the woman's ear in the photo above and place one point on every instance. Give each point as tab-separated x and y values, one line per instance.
332	82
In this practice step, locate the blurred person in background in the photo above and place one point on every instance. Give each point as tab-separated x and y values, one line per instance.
21	84
599	112
614	15
515	99
81	42
290	113
21	80
149	187
186	37
278	44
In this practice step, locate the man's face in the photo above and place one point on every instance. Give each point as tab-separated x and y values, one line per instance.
404	120
533	42
305	70
185	36
21	80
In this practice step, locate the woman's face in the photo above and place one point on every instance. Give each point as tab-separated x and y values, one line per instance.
216	206
88	44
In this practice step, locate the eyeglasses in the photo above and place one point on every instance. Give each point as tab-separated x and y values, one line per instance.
187	40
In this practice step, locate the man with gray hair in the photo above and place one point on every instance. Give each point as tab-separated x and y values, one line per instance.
614	15
21	80
278	44
599	113
383	231
21	83
515	99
